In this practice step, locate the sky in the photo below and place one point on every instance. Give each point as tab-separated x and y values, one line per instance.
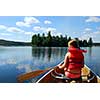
21	28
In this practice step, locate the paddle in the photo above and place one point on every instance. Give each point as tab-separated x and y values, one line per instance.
32	74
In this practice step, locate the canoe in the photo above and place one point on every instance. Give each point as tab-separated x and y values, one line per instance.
56	75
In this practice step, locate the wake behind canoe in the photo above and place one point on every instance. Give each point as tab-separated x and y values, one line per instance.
88	76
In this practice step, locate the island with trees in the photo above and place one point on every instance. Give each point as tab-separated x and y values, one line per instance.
57	41
49	41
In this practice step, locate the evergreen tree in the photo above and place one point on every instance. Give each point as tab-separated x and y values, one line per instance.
39	40
54	41
61	41
34	40
49	39
65	41
43	40
77	41
90	42
57	41
80	43
85	44
69	39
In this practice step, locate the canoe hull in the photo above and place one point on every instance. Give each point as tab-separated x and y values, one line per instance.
88	76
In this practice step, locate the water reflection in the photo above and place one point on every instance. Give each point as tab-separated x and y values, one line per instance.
88	55
48	53
17	60
26	67
92	59
90	51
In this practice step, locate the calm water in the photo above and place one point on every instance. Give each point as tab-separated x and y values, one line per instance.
17	60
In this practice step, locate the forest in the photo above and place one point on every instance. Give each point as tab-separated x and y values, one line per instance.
57	41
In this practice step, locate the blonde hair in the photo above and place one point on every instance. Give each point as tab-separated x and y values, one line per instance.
73	43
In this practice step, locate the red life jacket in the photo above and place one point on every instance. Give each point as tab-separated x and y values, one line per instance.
76	60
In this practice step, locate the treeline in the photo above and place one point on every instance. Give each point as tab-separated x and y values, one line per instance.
13	43
57	41
96	44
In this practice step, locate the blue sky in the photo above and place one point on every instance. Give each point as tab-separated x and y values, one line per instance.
21	28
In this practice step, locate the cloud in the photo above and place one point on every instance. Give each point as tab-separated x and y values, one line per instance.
10	29
86	36
95	36
75	32
20	24
3	27
98	28
97	32
31	20
88	29
84	32
6	34
93	19
27	22
37	28
15	29
51	29
29	33
57	34
47	22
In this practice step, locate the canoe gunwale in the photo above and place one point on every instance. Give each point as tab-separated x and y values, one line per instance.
92	72
45	75
87	80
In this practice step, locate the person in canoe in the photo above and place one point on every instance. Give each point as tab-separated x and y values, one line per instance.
74	61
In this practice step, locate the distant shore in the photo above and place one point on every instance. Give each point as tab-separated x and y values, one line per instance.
96	44
14	43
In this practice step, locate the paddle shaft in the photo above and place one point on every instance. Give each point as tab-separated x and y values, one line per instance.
30	75
33	74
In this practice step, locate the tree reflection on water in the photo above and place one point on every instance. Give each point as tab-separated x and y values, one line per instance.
48	53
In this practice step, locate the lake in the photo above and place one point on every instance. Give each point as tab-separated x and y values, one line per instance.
18	60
